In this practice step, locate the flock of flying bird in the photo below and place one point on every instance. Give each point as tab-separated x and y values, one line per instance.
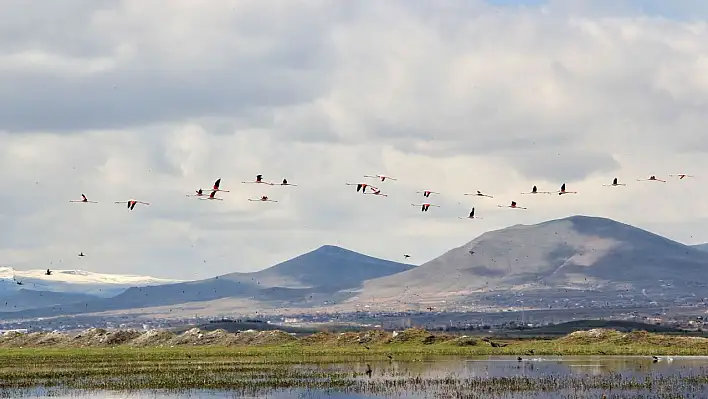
425	206
199	193
362	187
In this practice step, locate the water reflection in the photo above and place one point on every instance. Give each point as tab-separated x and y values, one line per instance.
488	377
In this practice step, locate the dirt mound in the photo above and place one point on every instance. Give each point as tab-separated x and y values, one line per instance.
612	337
10	339
195	336
99	337
418	336
273	337
54	338
156	338
90	337
102	337
347	338
594	336
643	337
120	337
190	337
319	338
413	336
374	337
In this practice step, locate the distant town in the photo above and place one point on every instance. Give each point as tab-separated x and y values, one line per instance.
688	318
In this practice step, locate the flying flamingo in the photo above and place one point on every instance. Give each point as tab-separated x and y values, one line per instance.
513	205
84	200
426	193
382	177
680	175
259	180
425	206
216	186
534	190
376	191
562	190
199	193
471	215
614	183
264	198
285	183
362	187
652	178
479	194
212	196
131	203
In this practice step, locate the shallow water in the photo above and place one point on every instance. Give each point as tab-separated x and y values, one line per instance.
489	377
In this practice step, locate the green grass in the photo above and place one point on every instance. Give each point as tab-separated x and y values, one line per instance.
315	361
297	353
251	370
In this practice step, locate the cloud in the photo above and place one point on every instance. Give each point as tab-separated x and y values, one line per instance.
153	100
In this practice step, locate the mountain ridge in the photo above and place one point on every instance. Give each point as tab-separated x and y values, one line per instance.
74	281
300	281
578	261
701	247
578	252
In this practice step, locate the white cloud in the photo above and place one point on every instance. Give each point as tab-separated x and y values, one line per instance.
155	99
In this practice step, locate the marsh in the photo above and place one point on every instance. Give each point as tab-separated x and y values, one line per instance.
410	376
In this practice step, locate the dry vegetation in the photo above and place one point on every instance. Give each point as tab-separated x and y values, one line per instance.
596	341
97	337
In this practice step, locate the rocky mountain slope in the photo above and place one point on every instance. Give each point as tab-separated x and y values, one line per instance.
317	277
565	258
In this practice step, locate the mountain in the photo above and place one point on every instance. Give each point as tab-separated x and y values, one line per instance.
73	281
24	299
328	266
702	247
579	261
575	262
323	275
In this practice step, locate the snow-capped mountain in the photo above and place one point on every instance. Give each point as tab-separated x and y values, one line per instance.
73	281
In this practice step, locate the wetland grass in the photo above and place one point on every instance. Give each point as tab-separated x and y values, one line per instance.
330	362
249	380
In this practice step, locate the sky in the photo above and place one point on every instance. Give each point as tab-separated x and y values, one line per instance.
154	99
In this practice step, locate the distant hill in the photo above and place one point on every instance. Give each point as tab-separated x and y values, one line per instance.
582	258
319	276
25	299
73	281
62	287
702	247
327	266
570	263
